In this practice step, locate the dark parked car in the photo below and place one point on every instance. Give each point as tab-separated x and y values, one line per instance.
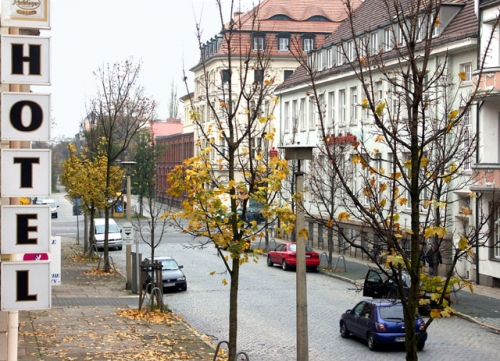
379	285
379	322
285	255
172	275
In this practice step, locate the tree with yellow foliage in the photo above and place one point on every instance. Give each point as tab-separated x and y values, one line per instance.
232	179
84	177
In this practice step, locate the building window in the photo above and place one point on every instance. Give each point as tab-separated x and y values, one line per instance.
419	30
259	42
351	52
467	140
496	240
343	109
303	113
331	111
466	70
340	55
319	61
284	44
401	37
308	44
287	117
329	57
287	73
388	42
312	106
373	43
354	104
225	76
258	75
435	28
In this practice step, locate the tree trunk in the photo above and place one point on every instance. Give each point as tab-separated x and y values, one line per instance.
233	309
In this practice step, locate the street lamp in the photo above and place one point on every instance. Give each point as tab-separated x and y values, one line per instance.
128	166
300	152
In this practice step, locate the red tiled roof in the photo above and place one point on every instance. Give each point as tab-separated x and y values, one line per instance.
370	15
298	13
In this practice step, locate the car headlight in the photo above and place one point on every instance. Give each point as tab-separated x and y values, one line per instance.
181	278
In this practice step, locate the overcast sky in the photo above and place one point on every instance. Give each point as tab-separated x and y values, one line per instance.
87	34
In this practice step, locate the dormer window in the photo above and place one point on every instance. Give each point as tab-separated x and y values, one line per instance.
283	42
435	28
388	41
373	43
307	43
259	42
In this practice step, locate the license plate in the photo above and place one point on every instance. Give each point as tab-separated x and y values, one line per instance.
169	285
400	339
308	256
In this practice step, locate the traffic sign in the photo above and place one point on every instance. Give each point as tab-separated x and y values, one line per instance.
128	233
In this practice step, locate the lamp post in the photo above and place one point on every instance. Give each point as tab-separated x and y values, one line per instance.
128	165
300	152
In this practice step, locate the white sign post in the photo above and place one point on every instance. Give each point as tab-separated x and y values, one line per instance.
128	234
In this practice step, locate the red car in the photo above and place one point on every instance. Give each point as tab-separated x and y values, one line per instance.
285	255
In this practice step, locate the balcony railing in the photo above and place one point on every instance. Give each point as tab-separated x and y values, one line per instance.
488	81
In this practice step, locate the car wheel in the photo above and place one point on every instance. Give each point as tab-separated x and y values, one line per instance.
371	342
120	248
344	332
184	288
313	269
269	262
420	346
284	265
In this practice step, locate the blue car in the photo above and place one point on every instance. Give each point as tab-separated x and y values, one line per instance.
379	322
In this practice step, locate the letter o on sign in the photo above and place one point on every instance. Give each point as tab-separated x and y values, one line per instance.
16	118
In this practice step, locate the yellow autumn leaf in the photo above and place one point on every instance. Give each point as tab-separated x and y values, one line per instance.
435	313
379	138
222	104
453	114
329	224
304	233
424	162
473	194
382	187
364	103
379	110
462	244
247	111
343	216
382	203
402	201
224	282
407	164
212	273
262	120
462	75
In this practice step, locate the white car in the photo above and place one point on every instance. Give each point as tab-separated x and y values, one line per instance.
53	206
114	234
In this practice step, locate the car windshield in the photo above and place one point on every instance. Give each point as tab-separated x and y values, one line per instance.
113	228
52	203
169	264
392	312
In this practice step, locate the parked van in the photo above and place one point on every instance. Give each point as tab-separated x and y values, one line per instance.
114	234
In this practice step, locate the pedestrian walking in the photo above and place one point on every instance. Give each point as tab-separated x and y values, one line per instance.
433	259
422	255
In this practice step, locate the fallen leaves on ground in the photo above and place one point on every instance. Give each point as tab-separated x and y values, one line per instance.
99	272
154	317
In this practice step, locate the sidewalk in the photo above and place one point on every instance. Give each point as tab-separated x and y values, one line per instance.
83	323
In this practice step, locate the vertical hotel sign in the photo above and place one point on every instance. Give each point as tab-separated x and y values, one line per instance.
25	172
